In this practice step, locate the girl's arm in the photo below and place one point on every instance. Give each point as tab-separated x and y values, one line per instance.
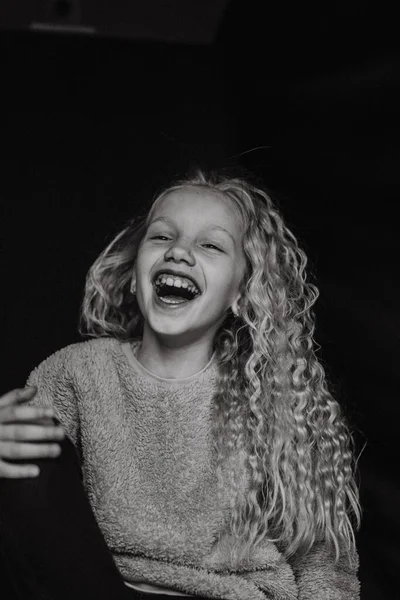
49	536
313	577
319	578
54	382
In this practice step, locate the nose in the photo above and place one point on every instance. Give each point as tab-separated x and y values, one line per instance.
180	251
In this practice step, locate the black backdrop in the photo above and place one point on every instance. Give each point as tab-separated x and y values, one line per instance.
308	100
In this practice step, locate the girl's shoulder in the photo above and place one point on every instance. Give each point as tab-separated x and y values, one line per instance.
92	350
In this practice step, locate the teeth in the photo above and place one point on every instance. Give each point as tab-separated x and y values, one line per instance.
176	282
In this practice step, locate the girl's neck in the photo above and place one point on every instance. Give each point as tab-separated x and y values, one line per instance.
173	362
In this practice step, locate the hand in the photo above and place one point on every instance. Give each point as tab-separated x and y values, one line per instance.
20	426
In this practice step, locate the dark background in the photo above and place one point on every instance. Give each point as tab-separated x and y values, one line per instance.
95	120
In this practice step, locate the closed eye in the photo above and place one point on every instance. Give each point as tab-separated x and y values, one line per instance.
212	246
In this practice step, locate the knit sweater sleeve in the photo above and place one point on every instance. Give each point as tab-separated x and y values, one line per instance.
319	578
55	387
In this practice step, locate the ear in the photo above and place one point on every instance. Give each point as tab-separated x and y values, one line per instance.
133	284
235	306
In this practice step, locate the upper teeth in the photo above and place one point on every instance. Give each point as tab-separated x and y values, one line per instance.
178	282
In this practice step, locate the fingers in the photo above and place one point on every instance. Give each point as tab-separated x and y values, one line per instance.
9	471
29	432
18	412
18	395
20	426
13	408
21	451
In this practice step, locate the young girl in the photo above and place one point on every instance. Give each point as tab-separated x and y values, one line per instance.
212	455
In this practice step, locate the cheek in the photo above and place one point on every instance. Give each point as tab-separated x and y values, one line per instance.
224	289
141	279
144	263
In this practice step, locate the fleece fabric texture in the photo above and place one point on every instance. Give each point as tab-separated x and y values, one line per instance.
148	463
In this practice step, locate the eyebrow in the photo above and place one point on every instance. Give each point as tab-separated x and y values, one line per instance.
213	227
224	230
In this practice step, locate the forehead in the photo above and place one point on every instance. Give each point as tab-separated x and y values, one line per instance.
200	205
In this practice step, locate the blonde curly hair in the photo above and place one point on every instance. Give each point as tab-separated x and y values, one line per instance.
273	409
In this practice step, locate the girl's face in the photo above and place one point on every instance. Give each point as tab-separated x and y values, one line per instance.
189	265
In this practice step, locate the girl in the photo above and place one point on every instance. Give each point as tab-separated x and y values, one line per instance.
215	460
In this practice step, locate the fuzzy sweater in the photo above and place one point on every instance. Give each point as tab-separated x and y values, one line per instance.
148	465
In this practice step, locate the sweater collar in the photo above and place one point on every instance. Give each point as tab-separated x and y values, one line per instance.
130	348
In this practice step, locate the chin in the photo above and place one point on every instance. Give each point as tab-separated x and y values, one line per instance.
165	326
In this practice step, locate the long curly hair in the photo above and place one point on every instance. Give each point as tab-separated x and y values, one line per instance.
274	415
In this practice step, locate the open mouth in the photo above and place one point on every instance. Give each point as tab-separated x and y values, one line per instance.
175	290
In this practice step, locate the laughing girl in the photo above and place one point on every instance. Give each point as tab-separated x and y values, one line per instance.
208	457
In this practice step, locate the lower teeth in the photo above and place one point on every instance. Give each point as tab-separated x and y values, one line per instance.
173	300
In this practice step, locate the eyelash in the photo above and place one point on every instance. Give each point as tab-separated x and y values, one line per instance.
214	246
164	237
